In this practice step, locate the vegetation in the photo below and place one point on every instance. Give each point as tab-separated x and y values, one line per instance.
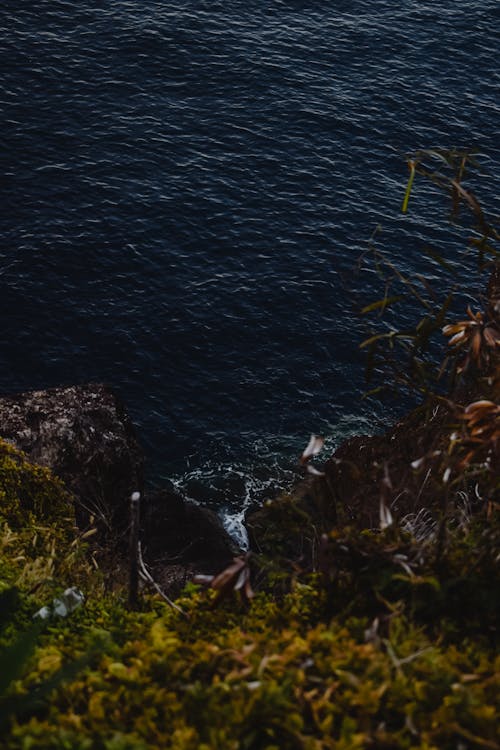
339	634
382	647
409	358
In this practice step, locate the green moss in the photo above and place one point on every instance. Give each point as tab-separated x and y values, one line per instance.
265	680
40	552
28	491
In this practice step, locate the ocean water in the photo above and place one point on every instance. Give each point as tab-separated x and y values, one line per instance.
186	188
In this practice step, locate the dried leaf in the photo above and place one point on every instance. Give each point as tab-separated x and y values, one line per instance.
491	336
385	514
476	344
459	338
315	472
236	577
314	446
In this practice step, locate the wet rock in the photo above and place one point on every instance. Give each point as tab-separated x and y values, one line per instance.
209	541
176	531
291	524
84	435
349	492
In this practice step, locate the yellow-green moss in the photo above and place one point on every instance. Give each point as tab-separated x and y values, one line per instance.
39	547
266	678
28	491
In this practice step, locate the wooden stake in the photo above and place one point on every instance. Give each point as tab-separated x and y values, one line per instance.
133	591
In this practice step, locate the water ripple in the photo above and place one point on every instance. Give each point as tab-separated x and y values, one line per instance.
187	187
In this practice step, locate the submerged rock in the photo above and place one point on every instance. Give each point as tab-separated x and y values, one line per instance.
84	435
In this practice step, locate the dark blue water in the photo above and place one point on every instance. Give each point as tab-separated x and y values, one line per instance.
186	188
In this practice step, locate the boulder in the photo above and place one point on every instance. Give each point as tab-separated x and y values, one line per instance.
84	435
291	524
360	471
177	531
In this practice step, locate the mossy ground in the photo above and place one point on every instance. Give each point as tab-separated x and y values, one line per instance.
363	654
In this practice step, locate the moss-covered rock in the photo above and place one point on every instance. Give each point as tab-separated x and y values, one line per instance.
41	550
30	492
84	435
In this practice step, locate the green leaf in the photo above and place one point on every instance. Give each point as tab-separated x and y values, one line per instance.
441	315
374	339
20	704
442	262
14	658
382	303
9	602
484	246
374	391
409	186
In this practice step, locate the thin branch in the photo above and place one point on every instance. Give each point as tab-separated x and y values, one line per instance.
146	576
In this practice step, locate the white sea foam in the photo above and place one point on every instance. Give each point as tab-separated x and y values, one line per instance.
232	487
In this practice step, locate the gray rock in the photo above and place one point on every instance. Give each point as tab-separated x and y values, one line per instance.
84	435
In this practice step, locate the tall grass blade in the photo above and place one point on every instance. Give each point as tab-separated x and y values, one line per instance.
404	207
